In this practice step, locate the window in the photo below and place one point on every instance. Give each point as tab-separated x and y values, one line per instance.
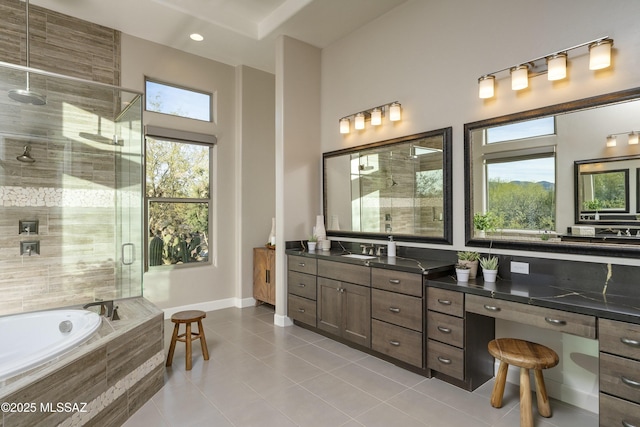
528	129
521	191
178	196
177	101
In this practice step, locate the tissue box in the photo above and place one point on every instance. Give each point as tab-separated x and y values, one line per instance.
578	230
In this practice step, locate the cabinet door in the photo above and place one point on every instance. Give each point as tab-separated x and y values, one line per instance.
264	275
356	311
329	309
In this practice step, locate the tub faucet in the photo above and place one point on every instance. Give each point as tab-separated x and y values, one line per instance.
106	307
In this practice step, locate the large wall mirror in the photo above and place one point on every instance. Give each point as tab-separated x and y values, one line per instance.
399	187
562	178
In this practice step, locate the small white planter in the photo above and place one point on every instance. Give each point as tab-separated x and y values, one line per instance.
312	246
489	275
462	275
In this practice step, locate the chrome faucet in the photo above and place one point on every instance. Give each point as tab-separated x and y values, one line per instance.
106	308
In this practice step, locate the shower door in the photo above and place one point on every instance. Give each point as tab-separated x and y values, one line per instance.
128	164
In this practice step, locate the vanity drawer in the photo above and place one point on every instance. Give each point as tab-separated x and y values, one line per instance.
303	285
358	274
445	328
619	338
446	359
397	281
399	309
620	377
558	320
302	310
302	264
397	342
444	301
618	412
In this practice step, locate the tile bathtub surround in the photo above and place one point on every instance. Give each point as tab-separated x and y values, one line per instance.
263	375
114	373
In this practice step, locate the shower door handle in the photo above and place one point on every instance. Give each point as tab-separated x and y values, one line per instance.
131	252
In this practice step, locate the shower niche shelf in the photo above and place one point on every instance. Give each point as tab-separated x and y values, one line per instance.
28	227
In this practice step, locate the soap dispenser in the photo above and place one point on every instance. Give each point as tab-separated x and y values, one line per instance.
391	247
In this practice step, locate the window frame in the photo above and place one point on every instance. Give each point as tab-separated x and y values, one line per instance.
192	138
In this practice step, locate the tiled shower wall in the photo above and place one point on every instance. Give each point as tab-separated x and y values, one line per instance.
70	188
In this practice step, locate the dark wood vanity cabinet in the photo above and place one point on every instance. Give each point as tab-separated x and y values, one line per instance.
619	373
397	320
344	307
301	298
457	340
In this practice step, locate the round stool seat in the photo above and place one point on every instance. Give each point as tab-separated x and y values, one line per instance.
523	354
186	318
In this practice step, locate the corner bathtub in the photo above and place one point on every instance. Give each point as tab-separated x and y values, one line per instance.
30	339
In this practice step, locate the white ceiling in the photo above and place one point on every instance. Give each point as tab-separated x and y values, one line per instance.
235	31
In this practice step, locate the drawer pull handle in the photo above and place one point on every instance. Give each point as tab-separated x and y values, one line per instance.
555	322
444	360
444	301
492	308
394	310
301	264
630	383
395	343
301	310
626	424
632	343
301	285
394	281
444	330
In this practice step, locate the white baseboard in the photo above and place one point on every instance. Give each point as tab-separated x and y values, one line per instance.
587	400
283	321
211	305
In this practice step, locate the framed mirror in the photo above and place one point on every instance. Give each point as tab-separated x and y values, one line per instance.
399	187
527	187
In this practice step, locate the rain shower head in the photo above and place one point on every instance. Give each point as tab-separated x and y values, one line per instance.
25	157
27	96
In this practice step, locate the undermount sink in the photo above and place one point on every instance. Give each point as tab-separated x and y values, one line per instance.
358	256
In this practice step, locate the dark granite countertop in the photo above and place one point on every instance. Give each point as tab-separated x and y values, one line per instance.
428	268
543	292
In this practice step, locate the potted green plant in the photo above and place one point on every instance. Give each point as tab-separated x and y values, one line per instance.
484	222
470	259
489	268
462	272
593	205
313	241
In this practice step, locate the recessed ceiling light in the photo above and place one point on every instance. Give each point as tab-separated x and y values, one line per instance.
196	37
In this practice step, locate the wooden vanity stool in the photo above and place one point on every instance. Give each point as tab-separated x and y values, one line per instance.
526	355
188	317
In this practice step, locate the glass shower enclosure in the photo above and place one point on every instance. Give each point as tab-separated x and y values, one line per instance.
70	191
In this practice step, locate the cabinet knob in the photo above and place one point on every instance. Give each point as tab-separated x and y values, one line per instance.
395	343
444	330
301	310
491	308
444	360
301	264
629	341
394	281
444	301
394	310
301	285
555	322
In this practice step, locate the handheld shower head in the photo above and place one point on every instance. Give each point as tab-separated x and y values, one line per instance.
25	157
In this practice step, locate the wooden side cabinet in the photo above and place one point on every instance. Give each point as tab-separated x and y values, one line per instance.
264	275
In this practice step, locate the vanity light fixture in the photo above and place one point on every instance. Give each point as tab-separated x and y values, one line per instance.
393	109
612	139
196	37
554	64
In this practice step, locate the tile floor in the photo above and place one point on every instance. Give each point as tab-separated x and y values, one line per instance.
263	375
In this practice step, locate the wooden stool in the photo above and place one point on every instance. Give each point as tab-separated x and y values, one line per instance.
188	317
526	355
